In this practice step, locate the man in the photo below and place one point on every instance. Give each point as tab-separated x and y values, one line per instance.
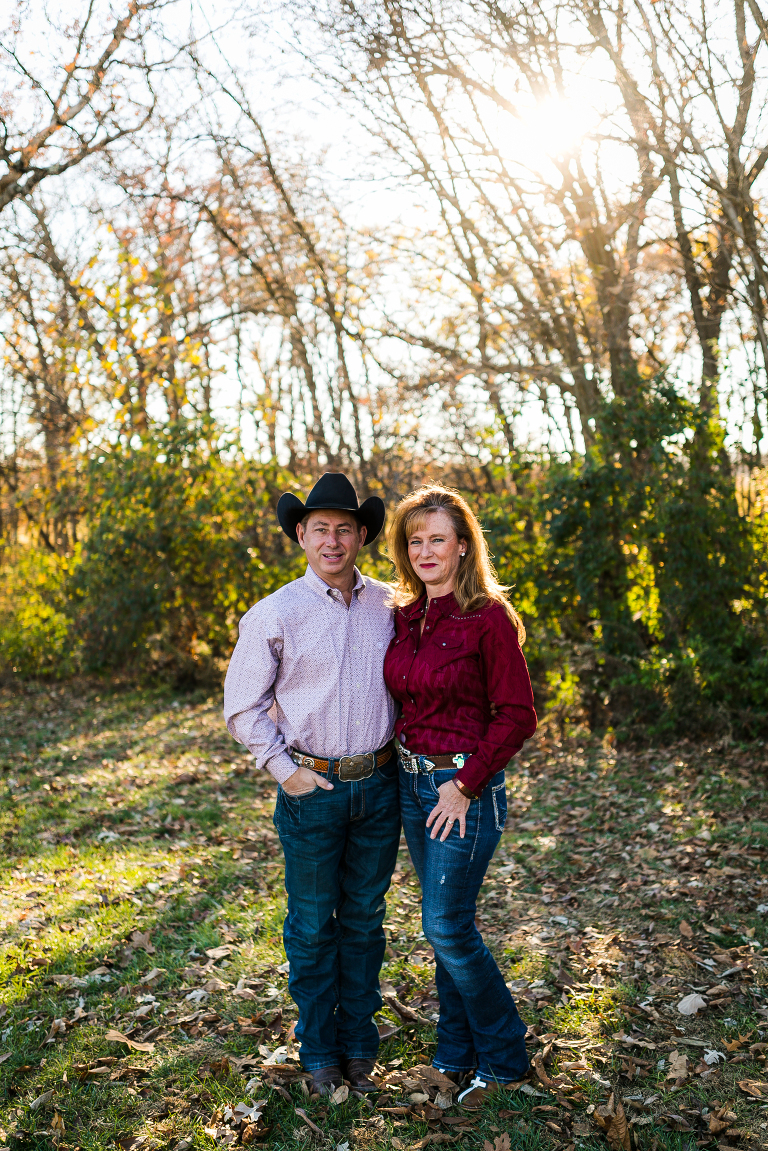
305	693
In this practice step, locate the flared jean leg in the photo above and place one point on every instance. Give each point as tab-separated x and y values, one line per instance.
479	1022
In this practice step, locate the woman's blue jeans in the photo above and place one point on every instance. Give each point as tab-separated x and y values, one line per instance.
479	1025
340	851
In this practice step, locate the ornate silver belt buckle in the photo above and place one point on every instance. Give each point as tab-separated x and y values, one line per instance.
408	762
354	767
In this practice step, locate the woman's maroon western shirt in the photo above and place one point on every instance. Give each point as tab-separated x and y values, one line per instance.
447	680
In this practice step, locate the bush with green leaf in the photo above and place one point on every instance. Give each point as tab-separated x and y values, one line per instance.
663	573
642	586
181	540
37	636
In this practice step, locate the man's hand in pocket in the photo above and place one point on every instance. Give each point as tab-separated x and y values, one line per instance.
303	781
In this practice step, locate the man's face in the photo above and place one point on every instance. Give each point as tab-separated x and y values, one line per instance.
331	540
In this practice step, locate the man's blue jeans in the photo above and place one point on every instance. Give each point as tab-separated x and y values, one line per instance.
479	1025
340	851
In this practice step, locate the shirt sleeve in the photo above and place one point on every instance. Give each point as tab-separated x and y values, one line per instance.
508	685
249	693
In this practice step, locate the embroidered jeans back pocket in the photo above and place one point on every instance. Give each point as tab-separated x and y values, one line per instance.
499	796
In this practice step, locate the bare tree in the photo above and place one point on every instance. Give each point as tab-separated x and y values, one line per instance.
692	86
96	342
540	257
293	284
97	90
549	273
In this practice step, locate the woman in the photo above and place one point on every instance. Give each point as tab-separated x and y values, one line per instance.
456	667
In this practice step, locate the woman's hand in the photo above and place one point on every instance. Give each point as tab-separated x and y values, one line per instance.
450	808
304	780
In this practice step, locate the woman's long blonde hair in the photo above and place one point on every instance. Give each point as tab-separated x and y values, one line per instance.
476	580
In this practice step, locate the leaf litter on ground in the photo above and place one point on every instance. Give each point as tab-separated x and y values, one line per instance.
606	906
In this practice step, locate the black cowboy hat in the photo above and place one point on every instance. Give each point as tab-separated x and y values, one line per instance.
333	491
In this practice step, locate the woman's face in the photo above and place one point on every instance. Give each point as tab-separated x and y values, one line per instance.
435	553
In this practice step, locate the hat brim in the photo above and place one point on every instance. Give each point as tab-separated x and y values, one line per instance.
371	513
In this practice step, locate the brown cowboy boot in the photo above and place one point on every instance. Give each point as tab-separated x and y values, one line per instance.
357	1073
325	1080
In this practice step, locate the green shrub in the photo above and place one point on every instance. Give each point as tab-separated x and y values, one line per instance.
642	587
181	540
664	574
36	632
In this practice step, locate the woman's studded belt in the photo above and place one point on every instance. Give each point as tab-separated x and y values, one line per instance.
416	764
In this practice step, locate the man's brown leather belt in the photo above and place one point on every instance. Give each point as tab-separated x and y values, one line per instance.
349	768
416	764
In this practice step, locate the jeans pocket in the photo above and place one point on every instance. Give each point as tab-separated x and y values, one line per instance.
299	798
442	777
499	796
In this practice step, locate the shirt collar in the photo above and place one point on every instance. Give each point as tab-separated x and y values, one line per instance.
444	605
413	610
320	587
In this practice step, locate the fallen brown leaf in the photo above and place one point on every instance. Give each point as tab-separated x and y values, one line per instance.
387	1030
757	1088
215	984
218	952
614	1123
500	1143
543	1077
676	1122
433	1137
679	1068
406	1013
432	1076
141	939
717	1126
117	1037
252	1132
686	929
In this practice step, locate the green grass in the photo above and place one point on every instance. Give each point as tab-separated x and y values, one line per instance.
136	837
